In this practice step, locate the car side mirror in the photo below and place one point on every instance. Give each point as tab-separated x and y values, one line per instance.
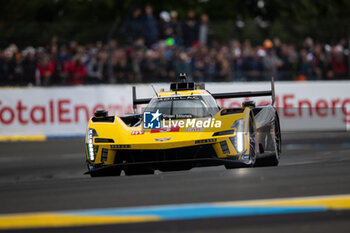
101	113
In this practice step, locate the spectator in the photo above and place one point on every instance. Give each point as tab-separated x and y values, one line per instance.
132	28
44	71
176	28
223	68
149	66
149	27
318	62
96	63
252	67
212	67
77	71
190	29
165	30
183	64
236	59
203	29
8	64
337	65
73	47
294	61
94	69
3	68
126	69
309	45
170	65
200	64
277	46
271	64
137	57
305	66
29	66
63	55
284	70
64	60
17	70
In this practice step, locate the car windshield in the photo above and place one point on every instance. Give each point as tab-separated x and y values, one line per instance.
183	107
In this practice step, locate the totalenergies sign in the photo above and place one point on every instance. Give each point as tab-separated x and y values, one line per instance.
62	111
65	111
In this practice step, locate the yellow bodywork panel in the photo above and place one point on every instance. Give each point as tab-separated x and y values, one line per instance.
137	138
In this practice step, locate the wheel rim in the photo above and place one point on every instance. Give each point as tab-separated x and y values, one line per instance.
277	138
252	149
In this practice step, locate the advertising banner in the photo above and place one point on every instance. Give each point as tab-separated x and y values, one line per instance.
65	111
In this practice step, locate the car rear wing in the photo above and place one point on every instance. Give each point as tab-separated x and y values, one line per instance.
271	93
136	101
248	93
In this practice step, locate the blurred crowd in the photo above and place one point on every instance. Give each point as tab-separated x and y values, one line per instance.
157	48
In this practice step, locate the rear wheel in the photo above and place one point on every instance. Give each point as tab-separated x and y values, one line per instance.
273	159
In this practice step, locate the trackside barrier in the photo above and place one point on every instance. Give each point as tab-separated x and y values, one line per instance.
64	111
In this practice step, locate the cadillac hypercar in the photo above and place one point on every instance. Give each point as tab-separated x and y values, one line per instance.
183	128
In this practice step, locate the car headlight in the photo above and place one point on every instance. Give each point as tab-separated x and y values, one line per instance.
238	140
222	133
91	133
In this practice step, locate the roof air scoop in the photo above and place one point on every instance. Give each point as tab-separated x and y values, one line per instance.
183	85
183	77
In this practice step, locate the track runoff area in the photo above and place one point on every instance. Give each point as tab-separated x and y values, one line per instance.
44	190
175	212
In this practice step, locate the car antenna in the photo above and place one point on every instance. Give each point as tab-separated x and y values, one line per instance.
183	77
154	90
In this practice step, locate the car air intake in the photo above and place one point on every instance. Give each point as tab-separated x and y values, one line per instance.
104	140
109	119
224	147
181	86
183	153
104	155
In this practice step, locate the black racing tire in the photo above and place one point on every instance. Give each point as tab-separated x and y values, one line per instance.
173	169
252	146
138	171
252	156
235	165
273	159
114	172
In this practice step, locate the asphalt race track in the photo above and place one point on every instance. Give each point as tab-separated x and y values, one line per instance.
48	176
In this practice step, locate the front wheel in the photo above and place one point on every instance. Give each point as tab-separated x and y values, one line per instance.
110	172
252	156
252	146
138	171
273	159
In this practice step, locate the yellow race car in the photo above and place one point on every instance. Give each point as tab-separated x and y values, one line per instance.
184	128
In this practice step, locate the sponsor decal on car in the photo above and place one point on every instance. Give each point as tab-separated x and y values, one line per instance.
166	130
162	139
151	120
193	130
140	132
194	123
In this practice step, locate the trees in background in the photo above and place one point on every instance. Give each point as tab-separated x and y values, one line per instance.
35	22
